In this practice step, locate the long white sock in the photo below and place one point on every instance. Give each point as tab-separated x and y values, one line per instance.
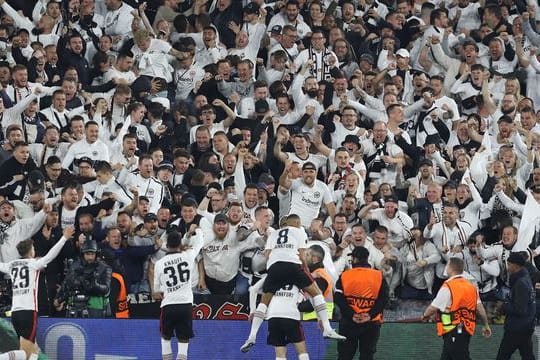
166	349
320	307
280	358
304	356
33	357
182	351
258	319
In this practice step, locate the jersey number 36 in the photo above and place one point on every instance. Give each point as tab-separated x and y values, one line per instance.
180	273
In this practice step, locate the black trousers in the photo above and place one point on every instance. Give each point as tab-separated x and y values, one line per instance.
456	346
516	340
217	287
361	337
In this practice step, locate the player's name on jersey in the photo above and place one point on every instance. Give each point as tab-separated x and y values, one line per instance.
284	246
286	294
177	287
173	262
20	292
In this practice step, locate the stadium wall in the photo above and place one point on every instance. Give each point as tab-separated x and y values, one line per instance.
88	339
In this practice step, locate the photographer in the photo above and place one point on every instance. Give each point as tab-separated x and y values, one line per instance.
85	290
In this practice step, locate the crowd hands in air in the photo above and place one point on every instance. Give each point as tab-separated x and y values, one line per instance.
410	130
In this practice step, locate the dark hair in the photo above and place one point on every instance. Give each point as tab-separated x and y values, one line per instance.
24	247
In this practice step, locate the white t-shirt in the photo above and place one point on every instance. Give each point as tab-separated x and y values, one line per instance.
154	62
285	244
306	200
172	273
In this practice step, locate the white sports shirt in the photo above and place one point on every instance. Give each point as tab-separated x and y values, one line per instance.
285	244
172	273
306	201
24	275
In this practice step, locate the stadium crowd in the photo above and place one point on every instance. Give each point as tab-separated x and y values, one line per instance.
409	128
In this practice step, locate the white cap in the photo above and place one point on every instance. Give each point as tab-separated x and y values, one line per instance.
403	53
163	101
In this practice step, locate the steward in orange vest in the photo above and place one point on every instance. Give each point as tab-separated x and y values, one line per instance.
361	294
119	303
456	305
315	264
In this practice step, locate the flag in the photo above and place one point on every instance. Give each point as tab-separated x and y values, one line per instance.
527	226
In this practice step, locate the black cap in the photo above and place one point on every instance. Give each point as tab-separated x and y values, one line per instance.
85	159
35	180
360	253
516	258
351	139
89	246
261	106
228	183
432	139
425	161
150	217
391	199
251	8
220	218
276	29
181	189
309	166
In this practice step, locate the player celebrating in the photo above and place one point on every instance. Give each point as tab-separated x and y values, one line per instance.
172	285
24	274
285	251
284	326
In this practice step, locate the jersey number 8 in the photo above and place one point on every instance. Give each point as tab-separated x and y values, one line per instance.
283	236
179	272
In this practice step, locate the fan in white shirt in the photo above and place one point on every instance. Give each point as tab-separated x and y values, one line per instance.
308	195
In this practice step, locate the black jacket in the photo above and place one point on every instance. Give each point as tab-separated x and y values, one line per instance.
520	307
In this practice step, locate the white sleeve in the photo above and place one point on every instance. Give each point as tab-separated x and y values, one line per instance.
13	355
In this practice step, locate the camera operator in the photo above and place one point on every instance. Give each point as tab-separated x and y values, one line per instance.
85	290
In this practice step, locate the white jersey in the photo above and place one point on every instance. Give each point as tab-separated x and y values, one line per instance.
24	274
172	273
285	244
306	201
284	303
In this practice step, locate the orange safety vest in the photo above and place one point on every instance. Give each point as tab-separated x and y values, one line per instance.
361	287
463	308
122	306
328	295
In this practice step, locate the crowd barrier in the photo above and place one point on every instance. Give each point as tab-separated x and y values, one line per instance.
110	339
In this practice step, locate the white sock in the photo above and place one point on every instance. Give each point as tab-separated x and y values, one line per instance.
304	356
33	357
258	319
166	348
320	307
280	358
182	351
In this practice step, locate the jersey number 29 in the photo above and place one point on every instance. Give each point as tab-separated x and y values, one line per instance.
21	277
176	274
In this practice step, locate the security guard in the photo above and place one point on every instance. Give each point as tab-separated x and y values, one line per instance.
456	306
361	294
